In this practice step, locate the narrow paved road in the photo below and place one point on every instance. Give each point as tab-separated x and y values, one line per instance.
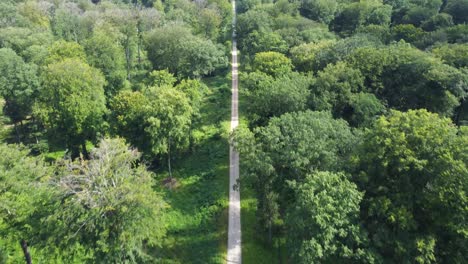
234	254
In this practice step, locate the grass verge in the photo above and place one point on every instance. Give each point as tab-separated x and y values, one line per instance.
197	215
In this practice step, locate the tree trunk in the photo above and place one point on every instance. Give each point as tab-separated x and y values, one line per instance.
85	151
269	234
278	245
17	132
139	44
127	56
169	159
27	256
75	152
459	112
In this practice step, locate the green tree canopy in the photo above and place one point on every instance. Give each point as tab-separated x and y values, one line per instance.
270	97
320	10
458	9
303	56
23	200
334	86
407	78
72	102
455	55
272	63
176	49
105	53
61	50
19	85
323	222
412	167
156	120
288	148
108	206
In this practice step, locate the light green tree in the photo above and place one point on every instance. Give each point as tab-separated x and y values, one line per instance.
287	149
272	63
107	206
323	224
156	120
61	50
170	122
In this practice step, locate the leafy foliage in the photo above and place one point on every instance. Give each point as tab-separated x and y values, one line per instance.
109	205
176	49
19	85
324	221
411	167
72	102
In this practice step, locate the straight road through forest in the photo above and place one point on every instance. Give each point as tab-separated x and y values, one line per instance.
234	254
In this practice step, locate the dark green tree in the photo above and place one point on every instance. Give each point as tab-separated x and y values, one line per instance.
287	149
19	86
183	54
458	9
273	97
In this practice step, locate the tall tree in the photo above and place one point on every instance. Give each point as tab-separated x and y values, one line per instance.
61	50
334	87
272	63
105	53
169	124
157	120
407	78
108	206
72	103
320	10
269	97
23	201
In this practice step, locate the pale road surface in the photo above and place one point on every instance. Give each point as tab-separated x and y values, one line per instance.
234	254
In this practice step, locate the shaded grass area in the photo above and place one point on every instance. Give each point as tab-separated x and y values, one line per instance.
197	215
254	249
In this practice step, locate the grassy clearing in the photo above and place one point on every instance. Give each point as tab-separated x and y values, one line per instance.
197	216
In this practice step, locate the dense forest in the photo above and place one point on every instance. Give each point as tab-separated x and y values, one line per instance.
354	141
114	133
99	99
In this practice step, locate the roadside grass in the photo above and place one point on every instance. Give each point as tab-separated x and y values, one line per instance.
254	250
197	215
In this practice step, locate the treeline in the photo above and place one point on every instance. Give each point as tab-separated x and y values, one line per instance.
356	144
79	79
